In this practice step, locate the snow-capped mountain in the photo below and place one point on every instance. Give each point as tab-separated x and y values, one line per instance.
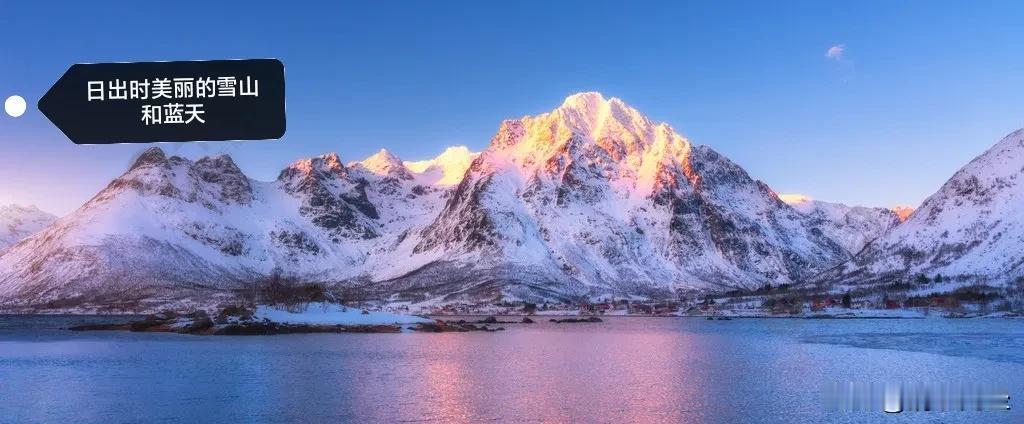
169	228
971	229
591	199
595	199
18	222
852	227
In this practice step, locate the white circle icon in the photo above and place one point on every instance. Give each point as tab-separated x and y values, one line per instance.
15	106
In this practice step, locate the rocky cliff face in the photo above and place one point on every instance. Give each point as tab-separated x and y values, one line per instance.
853	227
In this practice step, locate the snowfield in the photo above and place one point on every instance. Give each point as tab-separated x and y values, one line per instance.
332	314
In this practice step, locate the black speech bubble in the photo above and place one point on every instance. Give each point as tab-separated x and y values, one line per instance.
262	117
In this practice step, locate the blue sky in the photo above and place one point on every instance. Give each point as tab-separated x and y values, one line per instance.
919	89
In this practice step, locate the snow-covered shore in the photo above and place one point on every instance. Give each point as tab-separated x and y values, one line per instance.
315	317
333	314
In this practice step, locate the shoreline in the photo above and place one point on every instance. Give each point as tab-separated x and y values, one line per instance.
567	315
696	316
257	322
337	317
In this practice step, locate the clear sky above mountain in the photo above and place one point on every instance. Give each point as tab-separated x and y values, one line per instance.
857	102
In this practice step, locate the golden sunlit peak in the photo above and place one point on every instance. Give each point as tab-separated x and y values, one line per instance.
592	100
584	98
903	212
795	198
451	164
381	158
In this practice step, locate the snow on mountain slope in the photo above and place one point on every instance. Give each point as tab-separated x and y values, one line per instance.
170	227
594	199
852	227
18	222
971	229
589	200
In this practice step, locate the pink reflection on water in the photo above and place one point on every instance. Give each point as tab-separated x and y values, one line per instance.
561	374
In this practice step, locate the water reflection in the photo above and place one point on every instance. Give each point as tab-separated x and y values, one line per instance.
622	370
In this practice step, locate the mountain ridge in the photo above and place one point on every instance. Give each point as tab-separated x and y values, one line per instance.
589	200
18	222
969	230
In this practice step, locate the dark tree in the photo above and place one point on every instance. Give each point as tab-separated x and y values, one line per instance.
529	308
847	301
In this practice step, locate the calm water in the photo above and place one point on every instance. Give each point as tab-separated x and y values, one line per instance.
622	370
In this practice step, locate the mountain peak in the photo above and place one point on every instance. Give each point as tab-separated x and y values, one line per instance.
384	163
794	198
19	208
455	151
968	228
903	212
800	202
591	131
451	164
382	158
151	156
222	171
590	115
18	222
594	109
330	158
584	100
327	163
222	160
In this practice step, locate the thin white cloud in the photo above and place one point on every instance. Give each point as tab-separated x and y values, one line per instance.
835	52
